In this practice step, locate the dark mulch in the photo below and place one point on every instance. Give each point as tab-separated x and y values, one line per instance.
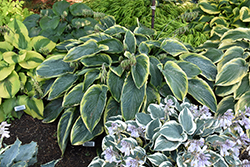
28	129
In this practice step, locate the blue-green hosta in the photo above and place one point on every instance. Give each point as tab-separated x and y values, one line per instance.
174	134
117	71
231	55
19	56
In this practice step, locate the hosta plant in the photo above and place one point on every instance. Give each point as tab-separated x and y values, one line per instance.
117	71
63	21
19	56
175	134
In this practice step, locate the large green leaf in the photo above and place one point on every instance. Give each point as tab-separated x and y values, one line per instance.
152	128
53	67
89	48
99	36
175	78
206	66
173	131
163	144
80	9
48	22
232	72
202	92
90	77
238	33
173	47
116	29
226	90
61	85
52	110
115	84
209	7
245	14
96	60
64	127
129	42
213	54
80	134
74	96
32	60
34	107
10	86
59	8
5	70
92	105
140	70
132	98
112	108
114	45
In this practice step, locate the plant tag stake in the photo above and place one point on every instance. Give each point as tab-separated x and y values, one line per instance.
19	108
89	144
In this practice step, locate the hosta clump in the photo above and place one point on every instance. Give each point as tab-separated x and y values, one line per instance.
63	21
117	71
174	134
19	57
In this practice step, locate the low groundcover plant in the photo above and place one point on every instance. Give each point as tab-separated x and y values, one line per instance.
174	134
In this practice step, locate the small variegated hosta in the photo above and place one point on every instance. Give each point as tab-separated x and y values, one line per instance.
174	134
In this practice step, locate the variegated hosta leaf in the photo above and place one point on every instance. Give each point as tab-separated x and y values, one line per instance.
96	60
227	90
163	144
244	101
202	92
206	66
238	33
144	48
186	120
31	60
173	131
209	7
64	127
117	70
156	111
155	73
228	43
173	47
112	45
144	31
157	158
116	29
132	98
225	104
80	134
152	128
142	118
231	53
99	36
213	54
89	48
5	46
232	72
90	77
175	78
5	70
74	96
140	70
10	85
60	7
42	44
190	69
243	87
245	14
61	85
153	96
115	84
52	110
13	58
34	107
92	105
218	21
112	108
53	67
129	42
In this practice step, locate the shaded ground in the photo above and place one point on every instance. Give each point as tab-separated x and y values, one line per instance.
28	129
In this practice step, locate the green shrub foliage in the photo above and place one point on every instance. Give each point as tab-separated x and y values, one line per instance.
63	21
118	71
